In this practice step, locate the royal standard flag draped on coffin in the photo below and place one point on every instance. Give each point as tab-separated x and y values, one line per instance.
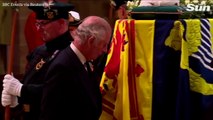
197	62
131	72
159	72
143	55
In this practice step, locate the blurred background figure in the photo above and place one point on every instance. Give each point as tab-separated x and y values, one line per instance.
32	36
74	20
120	8
117	10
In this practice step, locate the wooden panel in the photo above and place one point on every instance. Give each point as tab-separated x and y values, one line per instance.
91	7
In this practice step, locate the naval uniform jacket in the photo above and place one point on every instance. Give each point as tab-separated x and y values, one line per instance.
33	80
70	93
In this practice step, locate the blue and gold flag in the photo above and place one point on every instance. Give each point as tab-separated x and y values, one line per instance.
196	61
166	60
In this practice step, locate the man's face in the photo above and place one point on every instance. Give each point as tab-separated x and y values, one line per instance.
99	48
50	30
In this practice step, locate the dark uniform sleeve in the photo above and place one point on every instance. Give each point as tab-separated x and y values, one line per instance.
31	91
34	79
33	82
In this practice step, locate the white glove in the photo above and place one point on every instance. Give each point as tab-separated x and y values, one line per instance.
12	85
7	99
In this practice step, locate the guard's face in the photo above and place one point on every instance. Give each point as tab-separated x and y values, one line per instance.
50	30
121	13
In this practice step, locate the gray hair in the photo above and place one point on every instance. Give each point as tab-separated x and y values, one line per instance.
93	26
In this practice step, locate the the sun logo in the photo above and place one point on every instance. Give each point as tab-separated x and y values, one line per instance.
200	8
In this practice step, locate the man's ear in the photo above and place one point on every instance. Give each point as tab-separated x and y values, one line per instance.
91	40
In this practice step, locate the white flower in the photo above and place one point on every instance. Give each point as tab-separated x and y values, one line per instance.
128	3
131	4
195	1
136	3
203	2
187	1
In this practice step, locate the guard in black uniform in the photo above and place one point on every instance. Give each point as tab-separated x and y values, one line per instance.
27	93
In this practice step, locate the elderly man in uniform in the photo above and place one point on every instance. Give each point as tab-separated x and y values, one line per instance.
51	22
31	30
